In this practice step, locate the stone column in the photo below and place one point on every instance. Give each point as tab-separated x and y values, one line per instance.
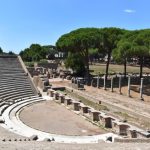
98	81
77	83
120	79
141	90
44	70
72	80
104	82
112	80
92	82
129	82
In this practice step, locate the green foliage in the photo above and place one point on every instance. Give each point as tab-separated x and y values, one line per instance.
110	38
36	52
44	61
141	44
80	41
11	53
133	44
4	53
75	62
1	51
29	64
122	51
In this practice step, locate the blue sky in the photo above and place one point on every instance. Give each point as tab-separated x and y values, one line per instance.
23	22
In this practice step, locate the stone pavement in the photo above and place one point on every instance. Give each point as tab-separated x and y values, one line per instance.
57	146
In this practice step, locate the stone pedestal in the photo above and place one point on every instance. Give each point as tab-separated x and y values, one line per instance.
76	105
94	115
68	101
51	93
56	95
84	109
120	128
61	98
132	133
106	121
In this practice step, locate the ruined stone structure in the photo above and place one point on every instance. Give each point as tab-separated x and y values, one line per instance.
16	87
109	122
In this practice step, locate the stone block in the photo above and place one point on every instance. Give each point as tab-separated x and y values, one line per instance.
76	105
68	101
105	120
61	98
120	127
56	95
84	109
94	115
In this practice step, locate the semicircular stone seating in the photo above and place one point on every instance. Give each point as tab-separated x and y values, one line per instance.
17	91
15	88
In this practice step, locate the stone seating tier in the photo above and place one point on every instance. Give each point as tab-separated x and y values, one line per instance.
15	82
3	103
3	108
10	93
3	82
4	91
19	95
11	87
17	85
11	84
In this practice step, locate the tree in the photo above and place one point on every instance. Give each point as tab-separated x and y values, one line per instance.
26	55
75	61
108	42
124	48
36	52
93	54
80	41
11	53
1	51
141	47
133	44
121	53
49	51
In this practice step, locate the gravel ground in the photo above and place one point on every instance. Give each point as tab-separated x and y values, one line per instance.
52	117
5	134
56	146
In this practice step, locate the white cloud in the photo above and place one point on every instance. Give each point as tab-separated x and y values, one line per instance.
129	11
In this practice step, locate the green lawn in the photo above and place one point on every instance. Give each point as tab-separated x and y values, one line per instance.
100	68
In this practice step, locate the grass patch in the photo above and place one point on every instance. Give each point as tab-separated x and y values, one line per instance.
100	68
124	115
